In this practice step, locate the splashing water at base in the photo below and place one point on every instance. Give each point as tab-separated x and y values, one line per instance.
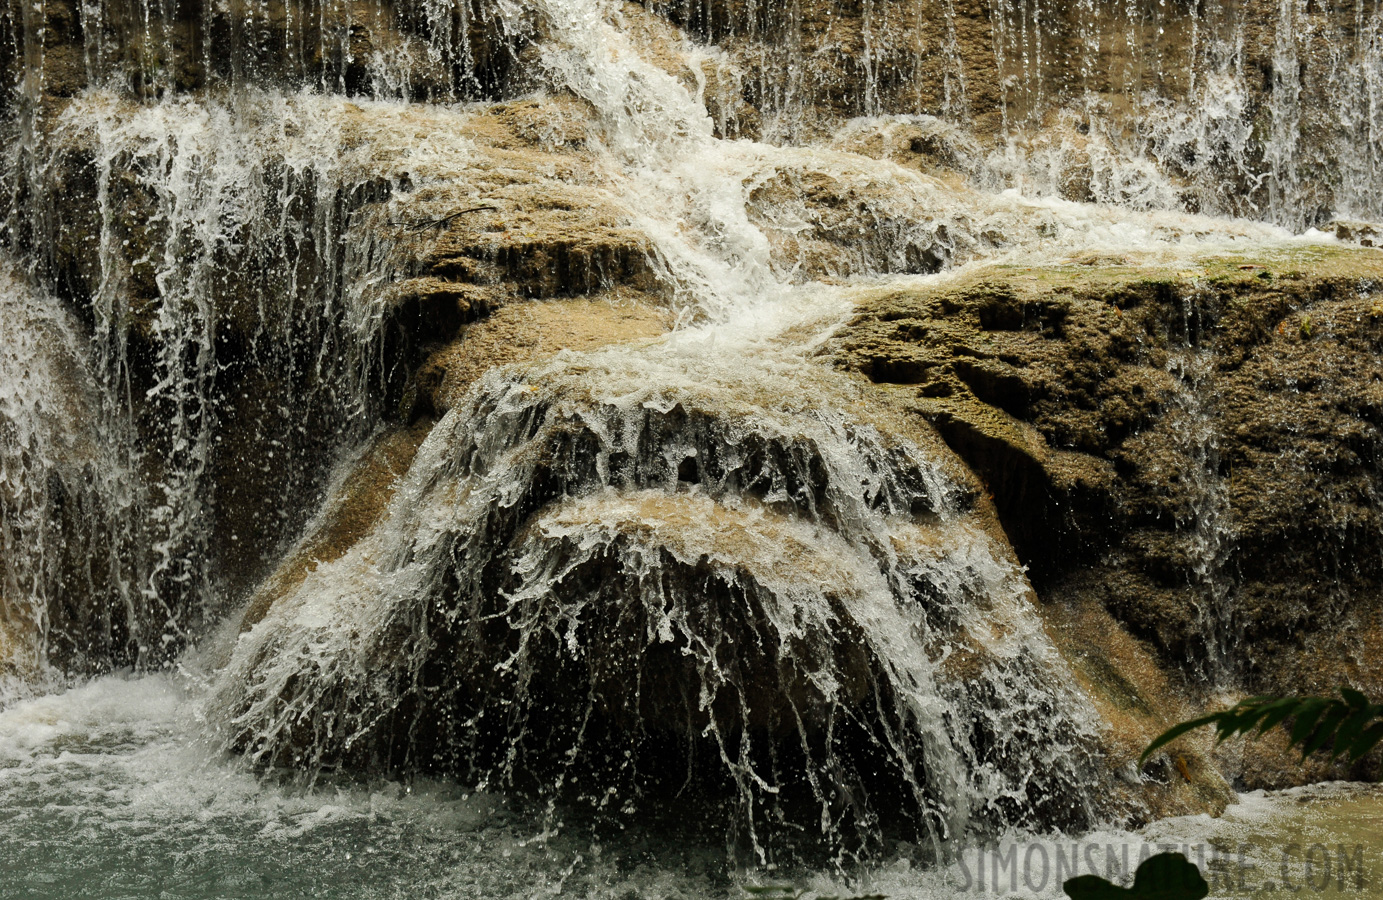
107	790
634	562
705	549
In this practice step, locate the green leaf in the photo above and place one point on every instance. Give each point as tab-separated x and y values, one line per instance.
1235	720
1366	741
1276	713
1355	699
1351	721
1351	728
1175	732
1326	728
1307	716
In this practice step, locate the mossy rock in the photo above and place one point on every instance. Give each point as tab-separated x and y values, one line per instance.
1163	437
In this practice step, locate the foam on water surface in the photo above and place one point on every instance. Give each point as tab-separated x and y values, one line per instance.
580	507
108	790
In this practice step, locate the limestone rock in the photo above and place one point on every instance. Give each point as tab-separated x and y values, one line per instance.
514	334
589	558
360	47
352	506
1363	234
1190	446
528	332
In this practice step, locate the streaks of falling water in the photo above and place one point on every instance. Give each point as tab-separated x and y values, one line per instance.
67	539
1282	148
631	570
663	137
234	261
603	555
1268	109
427	49
1157	86
42	420
1207	522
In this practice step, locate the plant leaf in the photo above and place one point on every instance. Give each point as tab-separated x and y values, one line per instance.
1235	720
1093	887
1351	728
1169	876
1355	699
1166	876
1276	713
1326	728
1351	721
1366	741
1312	708
1175	732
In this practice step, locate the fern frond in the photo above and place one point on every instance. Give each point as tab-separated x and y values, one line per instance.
1350	725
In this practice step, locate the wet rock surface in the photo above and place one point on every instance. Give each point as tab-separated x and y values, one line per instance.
1147	104
1191	445
514	334
296	283
255	346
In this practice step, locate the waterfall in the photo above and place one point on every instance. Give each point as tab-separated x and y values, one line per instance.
49	457
620	561
1207	521
704	582
237	270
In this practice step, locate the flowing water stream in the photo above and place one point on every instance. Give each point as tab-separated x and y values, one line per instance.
703	560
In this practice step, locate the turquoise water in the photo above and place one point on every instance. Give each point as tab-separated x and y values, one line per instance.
109	791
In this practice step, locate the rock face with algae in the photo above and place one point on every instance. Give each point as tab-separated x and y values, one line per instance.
295	278
266	278
1191	446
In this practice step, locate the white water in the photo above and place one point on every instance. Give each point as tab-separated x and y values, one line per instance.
108	790
243	214
46	446
794	504
800	510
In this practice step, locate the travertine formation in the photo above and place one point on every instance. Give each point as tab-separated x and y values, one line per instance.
1190	445
309	269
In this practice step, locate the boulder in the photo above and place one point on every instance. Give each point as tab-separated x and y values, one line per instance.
1190	445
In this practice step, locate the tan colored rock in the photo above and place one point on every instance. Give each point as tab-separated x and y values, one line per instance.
20	652
527	216
528	332
452	214
1138	699
513	334
348	514
1362	234
1111	407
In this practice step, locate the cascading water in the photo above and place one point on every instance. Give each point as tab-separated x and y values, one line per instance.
701	583
1207	521
234	323
49	456
640	568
